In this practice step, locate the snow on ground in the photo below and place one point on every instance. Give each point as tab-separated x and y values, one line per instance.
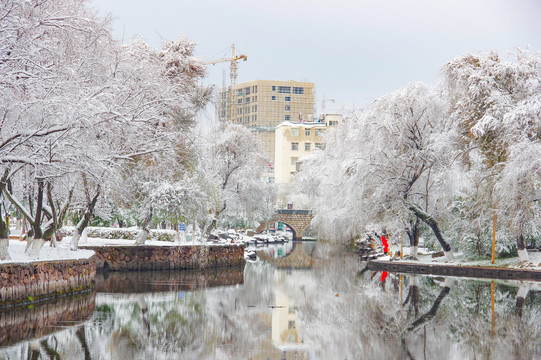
63	252
129	242
47	253
425	257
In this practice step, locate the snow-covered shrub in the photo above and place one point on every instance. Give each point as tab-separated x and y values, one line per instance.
123	233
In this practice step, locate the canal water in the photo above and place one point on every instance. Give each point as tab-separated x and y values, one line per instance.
305	301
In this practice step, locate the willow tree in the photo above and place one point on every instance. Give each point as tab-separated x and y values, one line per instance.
496	103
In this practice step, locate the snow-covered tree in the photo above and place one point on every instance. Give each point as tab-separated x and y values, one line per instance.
497	106
383	167
52	62
75	104
233	161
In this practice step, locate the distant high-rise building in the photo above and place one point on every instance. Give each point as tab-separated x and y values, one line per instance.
263	104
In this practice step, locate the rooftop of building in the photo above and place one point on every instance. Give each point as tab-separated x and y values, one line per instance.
301	124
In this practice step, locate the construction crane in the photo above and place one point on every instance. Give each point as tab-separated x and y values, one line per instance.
233	75
323	101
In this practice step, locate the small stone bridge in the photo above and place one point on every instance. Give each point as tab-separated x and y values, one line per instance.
297	220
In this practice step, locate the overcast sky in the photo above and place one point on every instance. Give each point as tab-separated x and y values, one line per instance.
353	50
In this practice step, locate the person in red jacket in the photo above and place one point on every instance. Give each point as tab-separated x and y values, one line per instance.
385	244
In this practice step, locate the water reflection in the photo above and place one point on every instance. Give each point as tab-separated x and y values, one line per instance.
333	310
162	281
37	321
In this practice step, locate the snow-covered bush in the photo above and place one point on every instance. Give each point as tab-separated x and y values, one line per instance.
123	233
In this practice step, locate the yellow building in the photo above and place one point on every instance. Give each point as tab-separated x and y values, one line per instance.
263	104
296	140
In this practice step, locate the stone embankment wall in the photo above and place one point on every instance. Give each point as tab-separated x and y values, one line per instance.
167	257
30	282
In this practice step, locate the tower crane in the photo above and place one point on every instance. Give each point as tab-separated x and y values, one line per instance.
233	75
323	101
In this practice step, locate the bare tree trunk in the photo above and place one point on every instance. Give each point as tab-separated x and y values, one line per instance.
81	226
430	221
89	211
83	223
4	238
143	235
34	247
4	244
521	247
413	235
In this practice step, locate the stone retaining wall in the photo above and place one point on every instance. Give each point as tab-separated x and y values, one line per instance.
455	270
41	280
167	257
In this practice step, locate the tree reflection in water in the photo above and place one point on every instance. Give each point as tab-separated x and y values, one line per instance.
332	311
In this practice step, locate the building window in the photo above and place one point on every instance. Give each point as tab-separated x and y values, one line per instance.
287	118
307	132
271	179
294	132
284	89
255	89
291	324
288	108
294	146
239	111
223	113
255	117
294	160
288	98
247	100
247	91
247	110
298	90
307	146
320	132
273	97
333	123
273	88
239	101
320	146
239	92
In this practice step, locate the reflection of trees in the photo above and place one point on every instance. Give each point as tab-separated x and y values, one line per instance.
341	312
413	295
81	335
431	313
424	319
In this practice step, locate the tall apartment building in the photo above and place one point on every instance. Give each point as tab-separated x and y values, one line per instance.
263	104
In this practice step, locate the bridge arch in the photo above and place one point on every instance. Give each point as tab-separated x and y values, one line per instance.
297	220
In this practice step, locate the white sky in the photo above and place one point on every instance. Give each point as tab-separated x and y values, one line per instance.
353	50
